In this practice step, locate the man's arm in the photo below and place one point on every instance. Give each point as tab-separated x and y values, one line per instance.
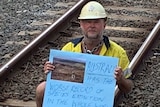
123	83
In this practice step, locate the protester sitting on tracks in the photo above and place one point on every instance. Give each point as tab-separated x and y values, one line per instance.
92	22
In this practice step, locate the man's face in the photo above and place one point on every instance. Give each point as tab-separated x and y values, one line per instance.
93	29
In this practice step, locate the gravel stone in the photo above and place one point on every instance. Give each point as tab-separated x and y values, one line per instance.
21	21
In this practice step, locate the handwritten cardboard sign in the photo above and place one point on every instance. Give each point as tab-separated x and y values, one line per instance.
80	80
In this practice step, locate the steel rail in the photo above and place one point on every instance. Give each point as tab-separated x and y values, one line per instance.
54	29
137	59
61	24
144	48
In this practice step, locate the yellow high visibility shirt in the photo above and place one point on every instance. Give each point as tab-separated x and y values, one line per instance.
109	48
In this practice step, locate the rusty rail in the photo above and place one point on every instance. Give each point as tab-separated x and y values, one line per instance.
144	48
61	24
137	59
50	33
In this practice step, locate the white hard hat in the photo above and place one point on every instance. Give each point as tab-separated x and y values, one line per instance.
92	10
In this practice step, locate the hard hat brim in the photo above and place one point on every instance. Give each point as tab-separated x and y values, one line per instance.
83	18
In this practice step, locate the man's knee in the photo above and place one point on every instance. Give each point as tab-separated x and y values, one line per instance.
40	89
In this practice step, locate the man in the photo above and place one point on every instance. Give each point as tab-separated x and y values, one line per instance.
92	22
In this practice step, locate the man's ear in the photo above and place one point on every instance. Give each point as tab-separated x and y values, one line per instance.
105	25
105	21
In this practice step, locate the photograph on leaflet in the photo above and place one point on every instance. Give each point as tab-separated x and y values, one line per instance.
68	70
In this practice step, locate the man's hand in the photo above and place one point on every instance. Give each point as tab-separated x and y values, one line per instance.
118	74
48	66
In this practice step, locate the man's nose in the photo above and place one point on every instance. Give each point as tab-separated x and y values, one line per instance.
92	24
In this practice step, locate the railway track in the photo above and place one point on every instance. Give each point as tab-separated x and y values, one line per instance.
129	24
